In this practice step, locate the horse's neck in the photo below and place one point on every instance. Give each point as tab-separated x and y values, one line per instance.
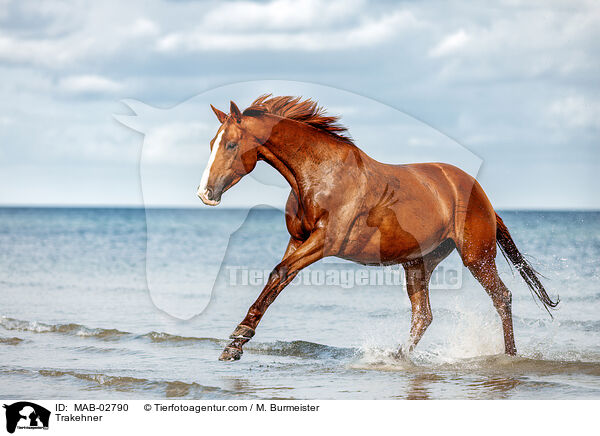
298	152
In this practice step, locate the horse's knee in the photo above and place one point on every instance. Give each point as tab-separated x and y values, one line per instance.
275	276
279	274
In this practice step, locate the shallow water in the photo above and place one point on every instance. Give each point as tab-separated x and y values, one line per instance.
78	320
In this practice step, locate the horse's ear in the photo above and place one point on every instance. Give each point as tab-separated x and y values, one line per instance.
235	112
221	116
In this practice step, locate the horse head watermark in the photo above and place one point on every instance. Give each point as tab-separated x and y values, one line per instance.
195	155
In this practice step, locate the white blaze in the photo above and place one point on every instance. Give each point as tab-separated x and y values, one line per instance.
206	174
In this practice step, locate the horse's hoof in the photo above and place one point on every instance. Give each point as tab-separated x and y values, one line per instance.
242	332
401	354
230	354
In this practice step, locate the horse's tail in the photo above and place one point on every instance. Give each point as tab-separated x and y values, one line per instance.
513	255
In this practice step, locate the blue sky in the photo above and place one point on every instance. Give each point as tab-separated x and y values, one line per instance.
516	83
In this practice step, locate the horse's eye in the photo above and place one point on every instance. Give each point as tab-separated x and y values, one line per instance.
231	145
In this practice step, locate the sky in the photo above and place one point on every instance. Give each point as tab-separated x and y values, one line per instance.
512	87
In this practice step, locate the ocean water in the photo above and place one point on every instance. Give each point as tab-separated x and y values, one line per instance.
88	312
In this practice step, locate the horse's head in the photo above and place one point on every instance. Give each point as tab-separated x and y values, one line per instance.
234	153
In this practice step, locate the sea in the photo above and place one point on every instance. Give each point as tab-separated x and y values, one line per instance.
129	303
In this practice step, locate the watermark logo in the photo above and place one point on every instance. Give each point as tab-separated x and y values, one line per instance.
25	415
344	277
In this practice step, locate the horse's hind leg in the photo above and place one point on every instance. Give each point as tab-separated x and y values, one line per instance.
476	243
418	291
487	274
418	273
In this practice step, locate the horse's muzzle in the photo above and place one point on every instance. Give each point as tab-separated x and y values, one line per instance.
208	197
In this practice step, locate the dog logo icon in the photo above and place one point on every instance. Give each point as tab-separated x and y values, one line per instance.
26	415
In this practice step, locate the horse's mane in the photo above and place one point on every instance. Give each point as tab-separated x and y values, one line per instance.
294	108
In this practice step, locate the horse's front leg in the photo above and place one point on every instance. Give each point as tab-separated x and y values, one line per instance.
296	258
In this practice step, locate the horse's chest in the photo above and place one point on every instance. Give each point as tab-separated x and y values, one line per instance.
299	223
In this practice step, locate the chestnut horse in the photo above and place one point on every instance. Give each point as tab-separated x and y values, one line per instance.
344	203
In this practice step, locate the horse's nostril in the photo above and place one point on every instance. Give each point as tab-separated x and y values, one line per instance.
209	193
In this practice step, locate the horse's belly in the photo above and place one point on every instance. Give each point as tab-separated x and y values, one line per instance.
390	244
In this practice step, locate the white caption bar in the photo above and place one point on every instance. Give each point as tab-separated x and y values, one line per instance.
173	416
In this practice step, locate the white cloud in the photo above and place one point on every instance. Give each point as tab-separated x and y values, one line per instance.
104	31
450	44
281	15
176	142
576	112
522	42
282	25
144	27
61	34
521	73
89	84
46	52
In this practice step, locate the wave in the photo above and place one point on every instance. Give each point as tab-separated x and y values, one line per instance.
302	349
71	328
363	358
170	389
159	337
11	341
582	325
100	333
497	364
